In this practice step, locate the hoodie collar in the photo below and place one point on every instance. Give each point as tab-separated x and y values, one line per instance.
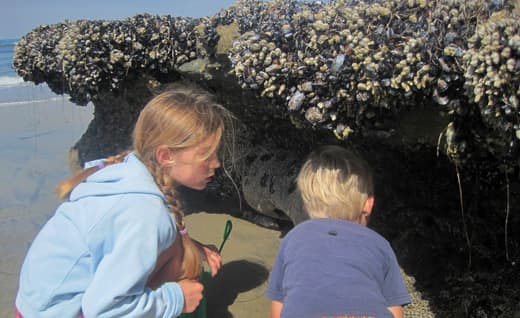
129	176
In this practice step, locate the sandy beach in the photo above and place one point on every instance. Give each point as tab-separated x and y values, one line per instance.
35	138
238	290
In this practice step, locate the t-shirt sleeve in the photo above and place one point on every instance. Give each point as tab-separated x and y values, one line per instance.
274	289
394	288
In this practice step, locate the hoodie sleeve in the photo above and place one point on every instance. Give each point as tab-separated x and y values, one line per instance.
118	289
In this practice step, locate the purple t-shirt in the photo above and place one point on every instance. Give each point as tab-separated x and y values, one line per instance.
330	267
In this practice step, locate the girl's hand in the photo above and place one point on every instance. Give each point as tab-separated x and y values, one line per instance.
192	291
212	257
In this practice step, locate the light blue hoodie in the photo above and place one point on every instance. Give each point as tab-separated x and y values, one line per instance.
95	254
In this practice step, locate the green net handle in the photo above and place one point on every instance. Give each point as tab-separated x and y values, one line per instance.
205	277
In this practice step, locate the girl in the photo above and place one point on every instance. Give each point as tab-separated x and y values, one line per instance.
112	249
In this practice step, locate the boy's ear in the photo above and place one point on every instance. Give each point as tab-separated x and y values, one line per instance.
163	155
369	205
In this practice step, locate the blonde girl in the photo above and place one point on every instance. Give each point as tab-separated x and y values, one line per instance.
118	245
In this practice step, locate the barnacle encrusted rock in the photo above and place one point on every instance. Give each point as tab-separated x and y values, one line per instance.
349	67
492	80
83	58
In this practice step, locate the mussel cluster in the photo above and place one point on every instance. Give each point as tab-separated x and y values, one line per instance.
35	54
83	57
348	66
492	81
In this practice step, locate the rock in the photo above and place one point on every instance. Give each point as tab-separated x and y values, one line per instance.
313	54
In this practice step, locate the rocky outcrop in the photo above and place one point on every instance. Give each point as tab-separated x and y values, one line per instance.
426	91
348	67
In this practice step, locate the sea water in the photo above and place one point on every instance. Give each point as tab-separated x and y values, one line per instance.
13	89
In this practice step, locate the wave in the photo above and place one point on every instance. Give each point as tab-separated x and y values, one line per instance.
10	81
33	101
13	90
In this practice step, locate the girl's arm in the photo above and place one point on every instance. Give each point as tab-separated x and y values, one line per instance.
136	237
276	309
397	311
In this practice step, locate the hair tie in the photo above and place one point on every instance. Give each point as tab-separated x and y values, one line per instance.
101	164
184	231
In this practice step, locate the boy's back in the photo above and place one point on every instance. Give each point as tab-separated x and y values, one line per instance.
331	267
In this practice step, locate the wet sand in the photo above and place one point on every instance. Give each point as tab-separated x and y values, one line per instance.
248	255
34	142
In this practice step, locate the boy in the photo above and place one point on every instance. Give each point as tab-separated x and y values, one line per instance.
332	264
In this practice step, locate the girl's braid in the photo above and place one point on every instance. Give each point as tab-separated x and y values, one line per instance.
192	262
167	187
116	158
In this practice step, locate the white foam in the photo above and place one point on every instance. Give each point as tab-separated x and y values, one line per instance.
10	81
34	101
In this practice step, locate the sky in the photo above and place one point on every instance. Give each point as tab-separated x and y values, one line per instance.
19	17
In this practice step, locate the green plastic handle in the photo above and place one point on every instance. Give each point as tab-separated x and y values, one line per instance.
201	311
227	231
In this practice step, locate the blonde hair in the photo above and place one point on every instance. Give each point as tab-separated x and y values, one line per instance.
178	118
335	183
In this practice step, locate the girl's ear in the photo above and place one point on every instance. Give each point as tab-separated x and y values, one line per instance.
164	155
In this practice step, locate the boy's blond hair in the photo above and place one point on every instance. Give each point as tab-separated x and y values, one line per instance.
335	183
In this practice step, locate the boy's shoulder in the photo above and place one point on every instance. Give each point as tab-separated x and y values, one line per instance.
335	228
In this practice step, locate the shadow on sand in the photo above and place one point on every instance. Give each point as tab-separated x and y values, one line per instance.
233	278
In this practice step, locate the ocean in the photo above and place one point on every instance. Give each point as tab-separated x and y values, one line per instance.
13	89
